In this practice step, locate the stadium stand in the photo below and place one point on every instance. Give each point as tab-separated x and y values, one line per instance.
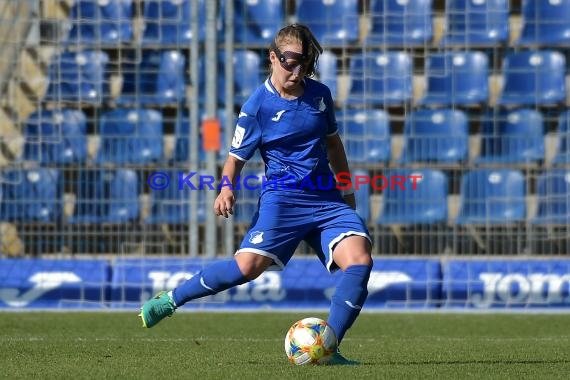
456	79
334	23
475	23
131	136
545	23
406	75
366	135
172	205
512	137
246	79
492	196
181	153
362	196
380	79
563	139
32	195
426	204
327	71
157	78
167	22
533	78
107	196
78	77
400	23
435	136
256	22
99	23
553	189
56	137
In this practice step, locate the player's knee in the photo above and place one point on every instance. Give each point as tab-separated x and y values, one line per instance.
349	259
361	258
252	265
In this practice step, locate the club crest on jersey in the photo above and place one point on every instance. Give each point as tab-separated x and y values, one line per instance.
320	103
256	237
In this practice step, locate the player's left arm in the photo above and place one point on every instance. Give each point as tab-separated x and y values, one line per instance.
339	164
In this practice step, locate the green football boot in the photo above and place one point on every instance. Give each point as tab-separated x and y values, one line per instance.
156	309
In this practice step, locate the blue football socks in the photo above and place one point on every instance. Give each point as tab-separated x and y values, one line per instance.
348	299
213	279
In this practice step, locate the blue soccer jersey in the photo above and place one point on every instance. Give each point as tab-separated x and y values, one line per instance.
290	134
291	137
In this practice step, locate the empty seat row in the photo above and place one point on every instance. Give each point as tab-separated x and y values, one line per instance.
154	78
487	197
412	196
441	136
458	78
135	136
377	78
391	22
126	136
102	196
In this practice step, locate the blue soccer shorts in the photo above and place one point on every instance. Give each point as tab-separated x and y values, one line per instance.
284	219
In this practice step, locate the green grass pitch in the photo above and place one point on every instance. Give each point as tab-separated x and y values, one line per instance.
250	346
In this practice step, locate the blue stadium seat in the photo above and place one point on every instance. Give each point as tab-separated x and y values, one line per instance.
427	204
257	22
400	23
512	137
456	78
545	23
492	197
533	78
56	137
440	136
182	139
102	22
332	22
476	23
172	205
157	80
362	196
168	22
366	135
380	79
106	196
553	198
247	76
327	71
131	136
563	144
246	80
31	195
78	77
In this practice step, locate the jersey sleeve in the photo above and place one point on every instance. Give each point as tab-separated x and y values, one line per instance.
247	137
332	127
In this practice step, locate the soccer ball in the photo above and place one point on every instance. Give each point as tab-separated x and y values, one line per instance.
310	341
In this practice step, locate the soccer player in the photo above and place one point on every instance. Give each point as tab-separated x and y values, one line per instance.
290	119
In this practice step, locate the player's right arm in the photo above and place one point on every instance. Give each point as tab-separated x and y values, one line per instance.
247	136
224	203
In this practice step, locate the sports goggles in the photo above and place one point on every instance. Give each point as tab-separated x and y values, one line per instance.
299	61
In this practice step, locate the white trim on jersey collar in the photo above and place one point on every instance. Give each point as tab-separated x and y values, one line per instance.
271	88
